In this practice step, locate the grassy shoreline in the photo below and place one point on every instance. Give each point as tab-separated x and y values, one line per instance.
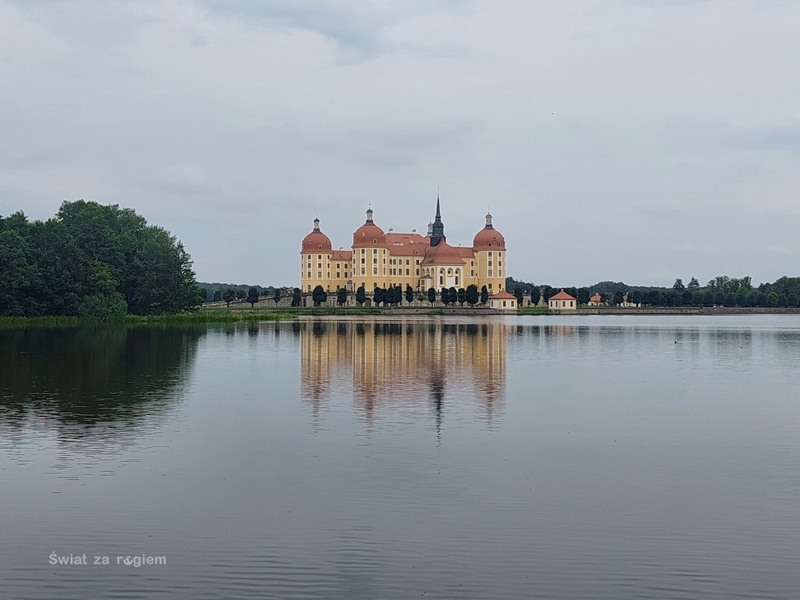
224	315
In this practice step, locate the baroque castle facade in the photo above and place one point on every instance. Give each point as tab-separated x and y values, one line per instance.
378	259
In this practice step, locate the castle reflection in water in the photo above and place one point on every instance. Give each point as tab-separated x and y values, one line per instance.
404	363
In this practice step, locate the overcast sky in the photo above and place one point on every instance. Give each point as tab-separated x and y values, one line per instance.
626	140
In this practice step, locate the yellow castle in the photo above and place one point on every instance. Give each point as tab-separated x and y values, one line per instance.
379	259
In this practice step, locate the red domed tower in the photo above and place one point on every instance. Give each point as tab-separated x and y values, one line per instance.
315	260
489	247
369	255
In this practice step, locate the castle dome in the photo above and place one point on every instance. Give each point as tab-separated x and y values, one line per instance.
316	241
488	237
369	234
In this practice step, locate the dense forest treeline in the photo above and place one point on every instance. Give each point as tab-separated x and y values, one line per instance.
95	261
720	291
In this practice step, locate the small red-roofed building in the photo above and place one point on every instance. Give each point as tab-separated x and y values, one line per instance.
503	301
562	301
596	300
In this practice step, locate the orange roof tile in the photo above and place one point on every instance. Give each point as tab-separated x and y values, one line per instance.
562	295
502	296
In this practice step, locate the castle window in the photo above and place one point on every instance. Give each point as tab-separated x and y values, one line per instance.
490	272
408	272
319	274
363	251
417	271
490	286
309	275
319	247
490	254
319	265
406	261
490	243
490	263
375	260
319	256
363	271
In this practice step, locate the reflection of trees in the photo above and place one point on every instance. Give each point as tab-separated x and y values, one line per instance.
91	378
403	363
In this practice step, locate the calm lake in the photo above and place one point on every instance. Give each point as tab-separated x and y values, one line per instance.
509	457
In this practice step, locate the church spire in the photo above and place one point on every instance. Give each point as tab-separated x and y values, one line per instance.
437	230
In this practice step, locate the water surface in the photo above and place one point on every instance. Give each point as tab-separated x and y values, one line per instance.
511	457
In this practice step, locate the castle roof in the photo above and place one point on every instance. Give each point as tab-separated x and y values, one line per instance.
406	244
443	254
316	241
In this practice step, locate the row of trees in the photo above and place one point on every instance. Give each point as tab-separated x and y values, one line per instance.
720	291
395	295
92	260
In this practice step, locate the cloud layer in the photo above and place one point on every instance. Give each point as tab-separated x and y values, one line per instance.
627	140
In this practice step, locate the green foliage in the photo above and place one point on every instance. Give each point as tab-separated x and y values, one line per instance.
252	296
431	296
92	259
471	295
462	296
361	295
319	295
484	295
519	294
276	296
341	296
297	297
228	296
536	295
409	294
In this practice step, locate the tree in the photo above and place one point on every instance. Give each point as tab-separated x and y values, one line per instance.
252	296
378	295
636	297
678	285
453	295
218	296
204	295
471	295
229	296
276	296
297	297
519	295
484	295
409	294
431	296
535	296
361	295
341	296
548	292
618	296
583	295
462	296
693	285
444	295
241	294
319	295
